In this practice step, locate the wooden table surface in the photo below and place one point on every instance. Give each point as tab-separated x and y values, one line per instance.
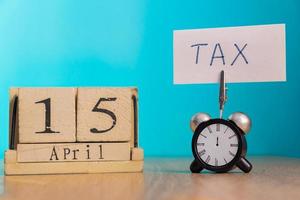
164	178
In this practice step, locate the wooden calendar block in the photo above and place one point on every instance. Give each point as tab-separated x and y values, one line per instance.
137	154
10	156
70	130
105	114
73	152
12	167
47	115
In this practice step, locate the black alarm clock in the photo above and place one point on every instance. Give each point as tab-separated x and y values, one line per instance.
219	145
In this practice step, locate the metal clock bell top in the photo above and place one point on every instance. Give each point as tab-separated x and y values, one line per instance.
197	119
241	120
220	145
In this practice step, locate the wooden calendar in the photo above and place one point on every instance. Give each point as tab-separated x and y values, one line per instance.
73	130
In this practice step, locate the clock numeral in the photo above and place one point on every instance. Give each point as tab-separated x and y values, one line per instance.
231	153
226	129
234	145
200	144
225	160
216	162
207	159
231	136
218	127
203	135
201	153
209	129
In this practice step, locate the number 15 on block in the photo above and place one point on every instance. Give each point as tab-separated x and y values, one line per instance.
70	114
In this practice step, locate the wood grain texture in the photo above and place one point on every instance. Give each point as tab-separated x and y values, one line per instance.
116	100
32	115
73	152
272	178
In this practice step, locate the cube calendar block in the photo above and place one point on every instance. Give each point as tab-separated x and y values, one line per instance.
47	115
73	130
104	114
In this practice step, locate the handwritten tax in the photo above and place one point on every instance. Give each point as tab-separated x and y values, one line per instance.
218	54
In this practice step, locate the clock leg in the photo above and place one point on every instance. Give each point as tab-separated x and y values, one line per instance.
195	167
244	165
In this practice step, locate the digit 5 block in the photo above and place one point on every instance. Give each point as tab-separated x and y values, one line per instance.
47	115
105	114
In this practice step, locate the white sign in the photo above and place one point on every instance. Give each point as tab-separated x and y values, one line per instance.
246	54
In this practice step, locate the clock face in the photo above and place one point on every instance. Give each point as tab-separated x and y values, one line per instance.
217	144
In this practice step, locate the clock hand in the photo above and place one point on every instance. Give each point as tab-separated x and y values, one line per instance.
217	141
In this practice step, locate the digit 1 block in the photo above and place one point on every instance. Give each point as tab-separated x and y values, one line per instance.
47	115
105	114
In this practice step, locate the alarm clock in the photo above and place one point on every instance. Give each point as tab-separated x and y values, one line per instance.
218	144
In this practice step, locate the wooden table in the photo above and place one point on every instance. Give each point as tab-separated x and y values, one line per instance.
164	178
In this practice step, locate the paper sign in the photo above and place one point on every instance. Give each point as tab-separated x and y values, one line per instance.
246	54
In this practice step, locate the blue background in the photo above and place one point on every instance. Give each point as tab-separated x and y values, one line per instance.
129	43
